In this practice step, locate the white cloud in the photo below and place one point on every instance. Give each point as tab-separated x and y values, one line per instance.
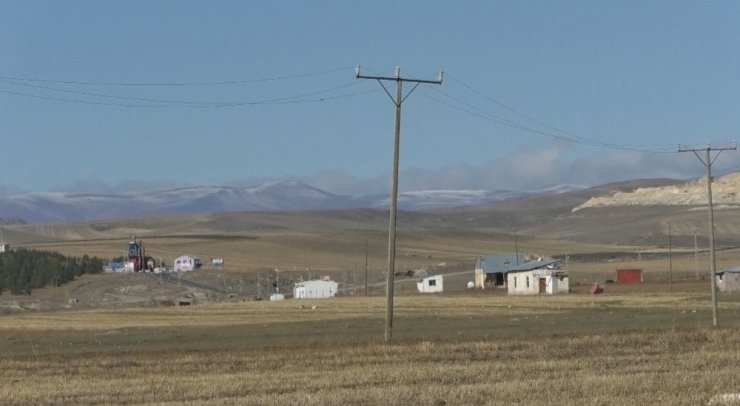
97	186
528	170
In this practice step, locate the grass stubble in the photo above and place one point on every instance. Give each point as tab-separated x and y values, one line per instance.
576	349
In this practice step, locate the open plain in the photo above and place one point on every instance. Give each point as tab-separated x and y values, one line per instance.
451	349
117	338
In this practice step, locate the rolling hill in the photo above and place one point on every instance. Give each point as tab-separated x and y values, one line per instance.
277	196
571	214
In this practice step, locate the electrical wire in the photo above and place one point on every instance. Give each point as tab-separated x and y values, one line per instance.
172	103
480	113
291	100
556	133
310	97
228	82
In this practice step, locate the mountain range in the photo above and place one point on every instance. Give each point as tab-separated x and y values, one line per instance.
276	196
633	212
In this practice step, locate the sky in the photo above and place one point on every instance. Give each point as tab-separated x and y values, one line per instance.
114	96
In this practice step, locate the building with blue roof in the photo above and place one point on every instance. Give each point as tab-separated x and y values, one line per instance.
491	270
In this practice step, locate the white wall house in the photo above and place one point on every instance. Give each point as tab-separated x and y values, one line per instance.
318	289
537	277
728	280
185	263
431	284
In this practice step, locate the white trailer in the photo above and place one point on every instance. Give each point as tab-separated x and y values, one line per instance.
317	289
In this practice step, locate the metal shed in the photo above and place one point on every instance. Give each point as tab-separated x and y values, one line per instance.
629	275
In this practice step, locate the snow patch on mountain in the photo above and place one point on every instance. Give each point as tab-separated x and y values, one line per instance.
284	195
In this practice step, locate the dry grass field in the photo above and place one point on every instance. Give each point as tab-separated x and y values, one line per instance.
639	344
449	349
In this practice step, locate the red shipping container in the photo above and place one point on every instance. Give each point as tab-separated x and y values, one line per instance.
630	275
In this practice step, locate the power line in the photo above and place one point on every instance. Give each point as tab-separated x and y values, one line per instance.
480	113
228	82
559	134
309	97
511	109
546	125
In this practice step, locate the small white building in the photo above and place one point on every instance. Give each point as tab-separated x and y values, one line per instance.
728	280
431	284
129	266
185	263
537	277
4	247
316	289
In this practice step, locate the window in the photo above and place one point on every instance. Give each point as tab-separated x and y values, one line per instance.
515	281
432	282
527	281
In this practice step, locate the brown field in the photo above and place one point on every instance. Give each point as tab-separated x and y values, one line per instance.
481	349
639	344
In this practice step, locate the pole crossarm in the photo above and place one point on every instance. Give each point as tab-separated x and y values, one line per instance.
731	147
398	77
397	101
708	161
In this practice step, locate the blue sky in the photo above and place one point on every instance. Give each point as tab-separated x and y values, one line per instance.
524	79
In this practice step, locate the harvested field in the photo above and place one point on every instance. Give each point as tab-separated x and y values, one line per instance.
636	344
486	349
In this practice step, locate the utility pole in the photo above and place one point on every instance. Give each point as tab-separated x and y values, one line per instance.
516	247
259	285
394	187
354	279
696	258
707	160
670	257
365	266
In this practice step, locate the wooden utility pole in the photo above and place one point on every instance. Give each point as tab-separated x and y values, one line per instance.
399	99
670	257
707	160
696	258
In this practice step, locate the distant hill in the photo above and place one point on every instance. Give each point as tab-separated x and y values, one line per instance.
278	196
11	221
536	214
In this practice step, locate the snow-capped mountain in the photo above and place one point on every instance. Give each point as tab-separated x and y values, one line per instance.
439	199
287	195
